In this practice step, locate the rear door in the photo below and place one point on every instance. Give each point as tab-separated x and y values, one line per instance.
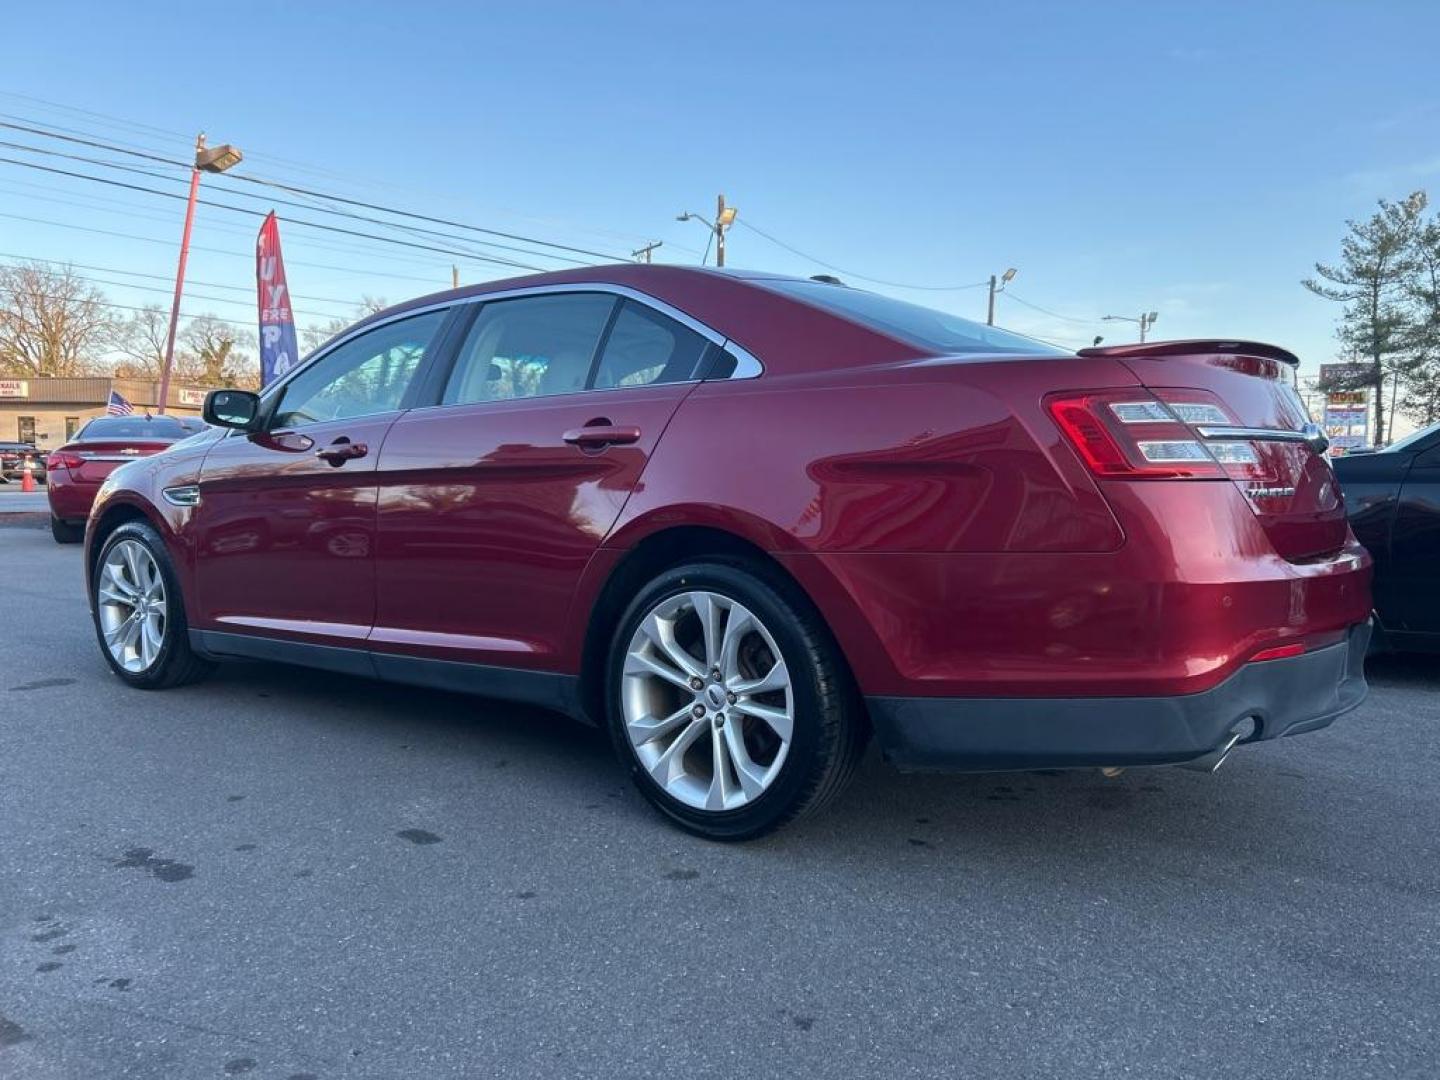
1236	397
493	500
285	529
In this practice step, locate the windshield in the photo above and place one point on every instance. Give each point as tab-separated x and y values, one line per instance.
140	427
937	331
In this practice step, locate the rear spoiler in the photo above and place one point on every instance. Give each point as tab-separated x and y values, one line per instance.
1196	346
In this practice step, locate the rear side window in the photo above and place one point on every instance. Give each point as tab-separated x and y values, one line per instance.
645	347
532	346
937	331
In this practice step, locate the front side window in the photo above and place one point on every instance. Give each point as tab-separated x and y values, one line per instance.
532	346
369	374
646	347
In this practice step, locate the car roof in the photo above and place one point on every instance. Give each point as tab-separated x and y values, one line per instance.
775	327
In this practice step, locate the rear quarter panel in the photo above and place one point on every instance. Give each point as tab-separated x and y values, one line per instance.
911	459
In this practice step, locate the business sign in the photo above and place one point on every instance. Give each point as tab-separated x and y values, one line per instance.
195	398
278	352
1347	427
1345	376
14	388
1348	397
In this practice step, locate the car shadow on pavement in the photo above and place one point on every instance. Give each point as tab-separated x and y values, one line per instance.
1073	826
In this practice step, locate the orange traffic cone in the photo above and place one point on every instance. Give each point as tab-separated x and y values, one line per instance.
27	476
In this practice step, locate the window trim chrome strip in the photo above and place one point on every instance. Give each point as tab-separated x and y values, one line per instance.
748	363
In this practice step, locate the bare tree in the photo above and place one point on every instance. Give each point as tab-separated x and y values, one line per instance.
212	354
315	335
140	339
52	322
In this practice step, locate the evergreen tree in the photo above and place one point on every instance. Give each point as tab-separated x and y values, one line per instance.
1376	262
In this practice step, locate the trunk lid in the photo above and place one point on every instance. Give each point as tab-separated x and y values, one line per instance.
97	459
1234	395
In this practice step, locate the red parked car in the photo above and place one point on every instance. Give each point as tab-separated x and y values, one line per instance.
745	520
76	471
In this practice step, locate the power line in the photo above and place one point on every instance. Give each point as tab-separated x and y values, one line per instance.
1047	311
260	213
210	250
133	212
123	307
294	189
163	277
192	295
852	273
156	134
270	199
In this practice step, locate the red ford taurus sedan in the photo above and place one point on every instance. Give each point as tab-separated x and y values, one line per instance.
743	521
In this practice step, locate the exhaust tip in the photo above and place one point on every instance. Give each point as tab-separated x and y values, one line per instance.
1209	763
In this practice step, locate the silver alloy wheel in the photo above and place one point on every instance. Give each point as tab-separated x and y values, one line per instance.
702	664
131	599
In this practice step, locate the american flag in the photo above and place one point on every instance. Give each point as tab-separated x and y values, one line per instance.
118	406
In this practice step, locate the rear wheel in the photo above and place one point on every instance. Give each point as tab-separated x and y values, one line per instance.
139	614
66	532
729	702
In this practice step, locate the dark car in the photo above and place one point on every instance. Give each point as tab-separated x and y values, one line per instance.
78	468
1393	499
746	520
13	456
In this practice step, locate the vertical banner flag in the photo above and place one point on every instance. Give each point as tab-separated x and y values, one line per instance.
278	353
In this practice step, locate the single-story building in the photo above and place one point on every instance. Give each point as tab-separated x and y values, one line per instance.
48	412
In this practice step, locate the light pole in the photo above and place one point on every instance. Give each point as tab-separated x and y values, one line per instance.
214	160
724	218
1004	280
1146	321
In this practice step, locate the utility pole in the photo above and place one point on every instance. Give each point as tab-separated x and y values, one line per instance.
724	218
643	254
1146	321
213	161
720	224
1003	280
454	276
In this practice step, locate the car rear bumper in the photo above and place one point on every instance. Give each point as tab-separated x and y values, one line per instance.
1283	697
70	500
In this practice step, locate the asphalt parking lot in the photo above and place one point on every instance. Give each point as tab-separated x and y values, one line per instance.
287	874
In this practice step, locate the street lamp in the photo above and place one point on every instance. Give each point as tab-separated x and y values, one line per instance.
214	159
1004	280
724	218
1146	321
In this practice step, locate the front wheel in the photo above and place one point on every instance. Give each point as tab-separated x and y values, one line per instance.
729	701
139	614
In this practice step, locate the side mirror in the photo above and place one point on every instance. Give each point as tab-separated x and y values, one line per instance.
232	409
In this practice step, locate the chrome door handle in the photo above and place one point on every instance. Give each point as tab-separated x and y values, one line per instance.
601	436
341	451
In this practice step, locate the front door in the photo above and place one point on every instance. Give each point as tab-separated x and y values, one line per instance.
284	532
493	501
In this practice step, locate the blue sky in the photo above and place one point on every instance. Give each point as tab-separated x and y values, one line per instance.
1195	159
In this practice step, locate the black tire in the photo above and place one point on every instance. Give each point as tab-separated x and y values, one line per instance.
64	532
176	664
829	726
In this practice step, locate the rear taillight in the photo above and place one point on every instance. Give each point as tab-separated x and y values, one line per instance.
1135	435
62	459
